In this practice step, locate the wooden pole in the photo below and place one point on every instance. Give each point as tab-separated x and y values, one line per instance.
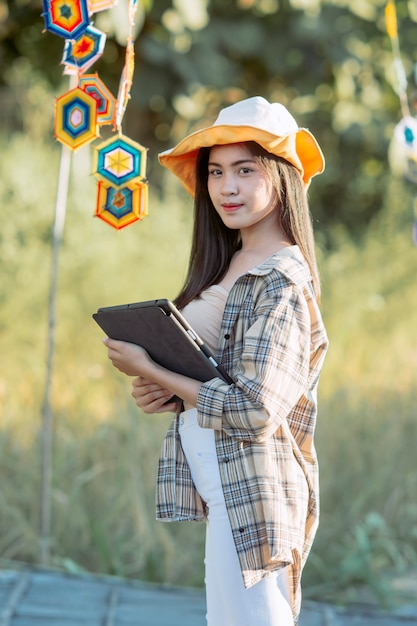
47	414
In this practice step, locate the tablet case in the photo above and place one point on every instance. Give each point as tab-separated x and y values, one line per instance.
163	332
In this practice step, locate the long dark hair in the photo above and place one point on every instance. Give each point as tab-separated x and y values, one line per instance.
213	244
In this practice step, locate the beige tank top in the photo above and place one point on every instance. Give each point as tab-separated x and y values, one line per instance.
205	314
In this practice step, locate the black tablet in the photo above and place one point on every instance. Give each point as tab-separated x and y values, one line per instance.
162	331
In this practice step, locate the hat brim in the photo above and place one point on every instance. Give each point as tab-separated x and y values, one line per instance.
299	148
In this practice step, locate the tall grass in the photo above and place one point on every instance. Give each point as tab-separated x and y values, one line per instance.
367	428
105	451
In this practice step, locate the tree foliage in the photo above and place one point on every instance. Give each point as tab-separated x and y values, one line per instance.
329	61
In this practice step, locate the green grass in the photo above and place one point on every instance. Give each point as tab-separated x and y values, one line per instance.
105	451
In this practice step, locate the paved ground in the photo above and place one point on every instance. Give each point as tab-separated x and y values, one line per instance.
31	597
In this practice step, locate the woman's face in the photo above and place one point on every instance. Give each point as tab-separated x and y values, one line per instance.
239	188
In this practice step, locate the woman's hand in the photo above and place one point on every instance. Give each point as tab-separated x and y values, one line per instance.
128	357
135	361
152	398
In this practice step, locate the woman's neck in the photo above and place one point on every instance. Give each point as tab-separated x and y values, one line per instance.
263	238
250	255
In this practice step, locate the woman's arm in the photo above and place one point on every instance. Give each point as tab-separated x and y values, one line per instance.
135	361
270	371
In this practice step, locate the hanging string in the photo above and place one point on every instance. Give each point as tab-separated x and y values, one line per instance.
127	73
414	218
392	30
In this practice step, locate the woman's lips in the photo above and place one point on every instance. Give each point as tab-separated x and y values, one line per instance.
229	208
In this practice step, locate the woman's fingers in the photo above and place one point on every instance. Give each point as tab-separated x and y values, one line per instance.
152	398
126	357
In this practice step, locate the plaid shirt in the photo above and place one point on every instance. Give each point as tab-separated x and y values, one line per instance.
273	343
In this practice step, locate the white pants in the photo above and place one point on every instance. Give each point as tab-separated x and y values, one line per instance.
228	602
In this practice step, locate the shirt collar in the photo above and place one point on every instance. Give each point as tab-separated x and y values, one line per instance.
289	261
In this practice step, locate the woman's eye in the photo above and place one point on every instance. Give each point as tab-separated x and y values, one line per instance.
245	170
214	172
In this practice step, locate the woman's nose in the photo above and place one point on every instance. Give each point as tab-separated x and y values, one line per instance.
229	184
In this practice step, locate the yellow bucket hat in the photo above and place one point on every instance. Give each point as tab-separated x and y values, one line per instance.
254	119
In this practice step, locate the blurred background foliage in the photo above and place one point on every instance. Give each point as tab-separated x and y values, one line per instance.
330	62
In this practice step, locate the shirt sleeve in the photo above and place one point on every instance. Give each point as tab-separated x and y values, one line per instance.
270	373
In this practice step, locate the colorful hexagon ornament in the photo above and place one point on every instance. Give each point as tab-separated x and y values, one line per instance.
402	153
75	118
66	18
120	207
106	102
119	161
80	54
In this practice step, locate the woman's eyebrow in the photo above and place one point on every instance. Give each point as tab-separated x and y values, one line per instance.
240	162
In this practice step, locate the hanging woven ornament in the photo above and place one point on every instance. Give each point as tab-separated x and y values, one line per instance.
106	102
81	53
120	207
402	154
75	118
66	18
120	161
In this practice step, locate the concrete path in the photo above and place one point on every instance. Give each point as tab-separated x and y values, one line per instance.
33	597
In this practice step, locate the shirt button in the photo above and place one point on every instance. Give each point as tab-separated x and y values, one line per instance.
227	336
241	529
225	459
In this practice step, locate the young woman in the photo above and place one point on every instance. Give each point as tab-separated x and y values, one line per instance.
242	456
